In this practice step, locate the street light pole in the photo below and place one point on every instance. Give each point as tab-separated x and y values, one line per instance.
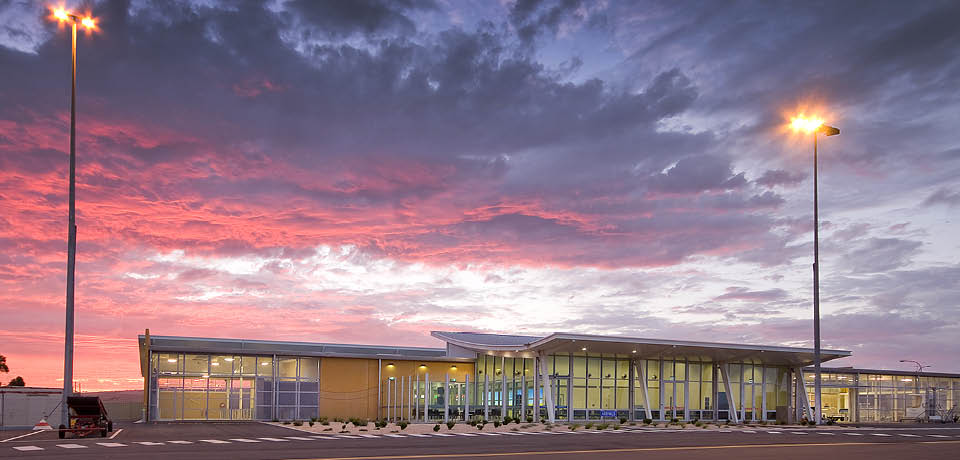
816	286
71	229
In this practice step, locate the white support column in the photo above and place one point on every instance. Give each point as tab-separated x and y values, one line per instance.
802	392
663	394
743	399
466	398
388	399
631	390
547	388
644	389
379	384
728	389
536	390
446	398
523	391
503	387
486	396
763	386
686	395
426	399
416	401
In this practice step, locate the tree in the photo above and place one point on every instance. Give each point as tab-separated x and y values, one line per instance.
17	382
3	364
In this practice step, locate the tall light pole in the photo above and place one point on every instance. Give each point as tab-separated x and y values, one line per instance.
90	24
815	126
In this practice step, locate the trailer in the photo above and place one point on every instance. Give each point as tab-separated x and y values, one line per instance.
87	416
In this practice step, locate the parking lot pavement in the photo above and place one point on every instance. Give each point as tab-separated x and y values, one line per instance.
256	441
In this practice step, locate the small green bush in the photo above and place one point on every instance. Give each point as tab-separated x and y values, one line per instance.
436	427
496	423
451	424
338	419
603	426
403	424
674	420
616	426
297	423
328	429
507	420
574	427
313	419
529	419
286	422
647	421
275	420
312	422
588	425
479	426
623	420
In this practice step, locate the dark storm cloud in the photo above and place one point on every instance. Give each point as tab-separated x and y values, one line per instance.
343	18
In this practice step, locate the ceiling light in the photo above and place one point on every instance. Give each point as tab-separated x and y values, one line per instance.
171	360
214	363
228	359
583	349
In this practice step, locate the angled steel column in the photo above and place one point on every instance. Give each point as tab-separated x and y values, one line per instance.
503	387
547	388
802	392
446	398
426	400
644	389
728	389
466	398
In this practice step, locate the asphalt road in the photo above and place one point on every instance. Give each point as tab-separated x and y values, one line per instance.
260	441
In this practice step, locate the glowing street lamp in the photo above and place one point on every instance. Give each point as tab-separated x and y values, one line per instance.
90	24
815	126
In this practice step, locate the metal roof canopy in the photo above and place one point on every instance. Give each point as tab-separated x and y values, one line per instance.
560	342
267	347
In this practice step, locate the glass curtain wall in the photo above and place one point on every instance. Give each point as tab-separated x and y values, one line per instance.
887	398
187	386
590	386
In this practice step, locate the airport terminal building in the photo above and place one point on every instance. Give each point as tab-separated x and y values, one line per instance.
560	377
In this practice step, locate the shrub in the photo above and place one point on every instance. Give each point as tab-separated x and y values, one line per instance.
616	426
313	419
603	426
325	422
328	429
647	421
496	423
312	422
436	427
472	422
574	427
403	424
338	419
529	419
674	420
451	424
507	420
588	425
479	426
297	423
286	422
623	420
275	420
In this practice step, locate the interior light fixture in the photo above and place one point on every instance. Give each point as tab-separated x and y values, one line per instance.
171	360
393	378
389	364
423	366
583	349
214	363
634	351
906	380
228	359
454	367
265	364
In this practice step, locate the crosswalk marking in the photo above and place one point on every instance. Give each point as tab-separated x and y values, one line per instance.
299	438
244	440
72	446
275	439
180	442
150	443
112	444
214	441
28	448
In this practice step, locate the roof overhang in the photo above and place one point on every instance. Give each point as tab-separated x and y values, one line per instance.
561	342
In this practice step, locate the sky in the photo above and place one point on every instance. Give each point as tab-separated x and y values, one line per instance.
369	171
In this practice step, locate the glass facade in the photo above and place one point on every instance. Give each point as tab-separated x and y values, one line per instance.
187	386
877	397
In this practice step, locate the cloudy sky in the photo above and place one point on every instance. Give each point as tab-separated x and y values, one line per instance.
368	171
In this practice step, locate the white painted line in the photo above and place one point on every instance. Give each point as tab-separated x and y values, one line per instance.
111	444
489	434
442	434
214	441
28	448
825	434
749	431
298	438
879	434
395	435
512	434
853	434
244	440
464	434
275	439
151	443
342	436
115	433
937	436
797	432
906	435
322	437
22	436
366	436
419	435
72	446
775	432
180	442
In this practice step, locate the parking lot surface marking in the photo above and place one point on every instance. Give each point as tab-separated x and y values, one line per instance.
111	444
28	448
72	446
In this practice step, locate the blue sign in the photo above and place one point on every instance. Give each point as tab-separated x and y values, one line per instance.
608	413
